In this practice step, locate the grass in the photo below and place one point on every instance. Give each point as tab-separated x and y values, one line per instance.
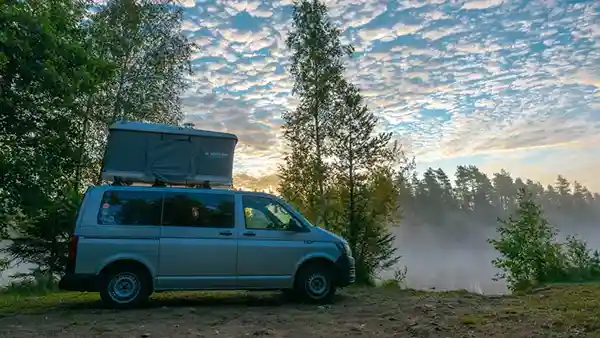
572	309
16	303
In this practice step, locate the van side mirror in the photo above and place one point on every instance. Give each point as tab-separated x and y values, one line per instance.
294	226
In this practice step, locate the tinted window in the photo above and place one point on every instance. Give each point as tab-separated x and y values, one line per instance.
263	213
199	210
130	208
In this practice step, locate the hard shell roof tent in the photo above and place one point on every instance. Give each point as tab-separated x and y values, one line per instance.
158	153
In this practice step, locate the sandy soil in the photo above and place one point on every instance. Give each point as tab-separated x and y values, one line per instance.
374	312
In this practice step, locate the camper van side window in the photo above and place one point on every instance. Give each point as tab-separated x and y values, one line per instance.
120	207
199	210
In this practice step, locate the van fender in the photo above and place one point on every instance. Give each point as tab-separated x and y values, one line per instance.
130	257
311	256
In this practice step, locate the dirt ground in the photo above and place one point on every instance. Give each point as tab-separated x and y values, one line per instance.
559	311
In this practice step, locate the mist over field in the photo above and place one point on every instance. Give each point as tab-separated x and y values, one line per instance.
459	257
447	258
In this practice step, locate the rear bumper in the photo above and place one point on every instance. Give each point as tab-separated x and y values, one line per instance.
346	272
79	282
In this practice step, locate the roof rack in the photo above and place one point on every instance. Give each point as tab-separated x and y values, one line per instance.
162	184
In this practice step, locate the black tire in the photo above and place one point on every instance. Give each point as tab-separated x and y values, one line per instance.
125	287
315	283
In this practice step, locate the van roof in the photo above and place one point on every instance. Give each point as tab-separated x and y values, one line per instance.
168	129
179	189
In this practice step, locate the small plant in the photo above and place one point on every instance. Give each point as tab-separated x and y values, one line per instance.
582	264
530	255
398	279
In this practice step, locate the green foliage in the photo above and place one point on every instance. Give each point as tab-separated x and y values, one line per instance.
45	73
582	264
42	240
151	57
530	254
363	217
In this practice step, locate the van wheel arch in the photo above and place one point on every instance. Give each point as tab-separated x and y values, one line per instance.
321	261
122	263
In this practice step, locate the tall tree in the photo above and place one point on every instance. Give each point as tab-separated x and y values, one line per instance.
405	192
483	192
143	38
505	192
364	182
463	188
431	191
447	194
563	188
316	67
578	198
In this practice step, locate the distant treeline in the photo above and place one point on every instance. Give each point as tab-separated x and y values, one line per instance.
472	195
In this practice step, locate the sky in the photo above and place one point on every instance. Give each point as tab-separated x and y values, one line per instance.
511	84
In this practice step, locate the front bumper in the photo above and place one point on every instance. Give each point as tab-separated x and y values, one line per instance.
79	282
346	271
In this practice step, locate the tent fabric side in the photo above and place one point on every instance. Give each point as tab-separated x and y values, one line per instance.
171	158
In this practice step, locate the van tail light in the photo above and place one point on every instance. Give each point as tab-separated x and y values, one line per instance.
72	256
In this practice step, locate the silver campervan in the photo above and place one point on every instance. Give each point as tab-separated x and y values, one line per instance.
131	241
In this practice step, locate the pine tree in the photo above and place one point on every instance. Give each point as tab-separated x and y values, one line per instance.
448	199
503	185
367	194
316	67
563	188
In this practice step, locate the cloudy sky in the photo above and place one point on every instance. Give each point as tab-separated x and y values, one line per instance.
509	84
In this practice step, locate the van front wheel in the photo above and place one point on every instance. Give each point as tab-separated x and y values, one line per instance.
315	284
124	287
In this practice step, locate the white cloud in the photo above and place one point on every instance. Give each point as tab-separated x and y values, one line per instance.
481	4
388	33
187	3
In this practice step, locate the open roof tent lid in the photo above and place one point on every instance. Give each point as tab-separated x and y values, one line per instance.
186	129
139	152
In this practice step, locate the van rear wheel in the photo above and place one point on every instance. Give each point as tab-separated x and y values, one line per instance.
315	283
125	287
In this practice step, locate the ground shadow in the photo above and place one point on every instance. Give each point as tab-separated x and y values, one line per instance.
209	299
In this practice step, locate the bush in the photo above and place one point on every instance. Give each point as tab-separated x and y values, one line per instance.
530	254
42	240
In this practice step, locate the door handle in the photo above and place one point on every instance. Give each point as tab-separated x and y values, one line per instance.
249	234
225	233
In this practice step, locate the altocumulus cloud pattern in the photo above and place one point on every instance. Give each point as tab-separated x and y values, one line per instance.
512	84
